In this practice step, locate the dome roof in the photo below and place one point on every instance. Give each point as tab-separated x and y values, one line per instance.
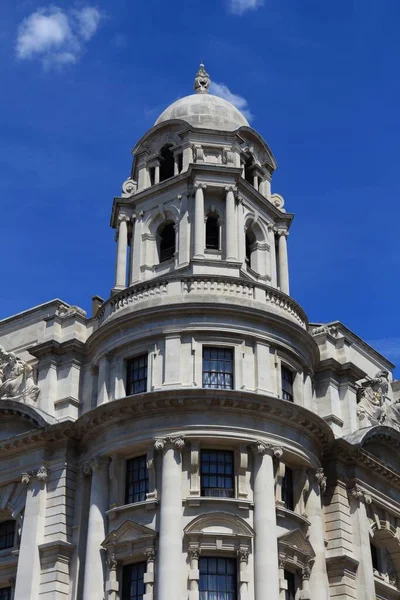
204	110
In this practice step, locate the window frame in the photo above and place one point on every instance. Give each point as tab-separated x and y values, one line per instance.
218	348
124	570
286	395
144	458
129	380
160	230
290	576
287	492
232	475
215	217
9	547
232	594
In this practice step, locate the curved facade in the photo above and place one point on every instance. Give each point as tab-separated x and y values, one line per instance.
196	437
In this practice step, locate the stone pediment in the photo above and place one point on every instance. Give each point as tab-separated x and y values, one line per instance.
221	524
128	532
296	541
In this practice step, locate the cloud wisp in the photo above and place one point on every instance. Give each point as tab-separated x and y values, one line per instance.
238	7
222	90
55	36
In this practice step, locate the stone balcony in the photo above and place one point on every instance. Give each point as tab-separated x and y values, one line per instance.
183	290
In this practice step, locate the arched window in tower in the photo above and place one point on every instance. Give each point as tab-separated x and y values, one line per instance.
166	163
250	242
248	169
212	232
166	236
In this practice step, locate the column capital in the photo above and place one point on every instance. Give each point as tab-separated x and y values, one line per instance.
200	186
41	474
282	232
194	552
359	494
281	560
319	476
150	554
112	562
231	188
124	218
243	554
306	571
263	448
165	443
94	464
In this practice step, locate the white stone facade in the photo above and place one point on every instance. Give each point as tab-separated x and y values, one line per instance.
199	362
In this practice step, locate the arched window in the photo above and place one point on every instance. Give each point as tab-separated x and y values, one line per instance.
166	163
166	242
212	232
250	241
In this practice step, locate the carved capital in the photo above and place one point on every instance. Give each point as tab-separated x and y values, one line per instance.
42	474
319	476
200	186
124	218
112	562
194	553
25	478
360	494
306	571
282	232
231	188
243	554
150	554
263	448
282	560
176	442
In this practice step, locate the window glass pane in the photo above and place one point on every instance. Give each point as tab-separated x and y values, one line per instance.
5	593
216	468
136	480
218	368
7	533
287	489
136	375
133	581
218	579
287	384
290	593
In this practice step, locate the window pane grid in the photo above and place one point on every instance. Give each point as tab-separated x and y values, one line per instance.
133	581
217	473
137	482
287	384
218	579
7	533
137	375
218	368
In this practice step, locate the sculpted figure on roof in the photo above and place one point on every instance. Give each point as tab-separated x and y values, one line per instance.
372	396
16	378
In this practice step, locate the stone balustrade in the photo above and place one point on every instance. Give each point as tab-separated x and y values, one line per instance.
216	288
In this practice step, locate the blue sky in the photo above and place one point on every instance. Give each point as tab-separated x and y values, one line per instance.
81	82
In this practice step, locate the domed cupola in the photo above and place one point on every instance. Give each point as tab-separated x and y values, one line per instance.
204	110
199	200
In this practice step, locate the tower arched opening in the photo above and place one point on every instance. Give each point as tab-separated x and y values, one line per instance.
166	162
166	241
212	232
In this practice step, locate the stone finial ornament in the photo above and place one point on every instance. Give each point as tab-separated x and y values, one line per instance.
16	379
202	81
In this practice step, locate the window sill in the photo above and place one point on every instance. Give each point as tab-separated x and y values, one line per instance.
206	500
114	512
285	513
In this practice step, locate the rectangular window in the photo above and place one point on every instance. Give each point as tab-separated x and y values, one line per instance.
136	381
375	558
217	473
133	581
137	482
287	384
218	578
5	593
287	489
7	534
218	368
290	593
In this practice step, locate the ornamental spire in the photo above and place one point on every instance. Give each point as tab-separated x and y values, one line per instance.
202	81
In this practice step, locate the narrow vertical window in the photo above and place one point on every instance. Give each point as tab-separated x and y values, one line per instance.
287	384
218	368
137	482
7	534
136	375
290	592
166	163
216	473
218	578
287	489
133	581
5	593
212	232
152	174
375	558
167	242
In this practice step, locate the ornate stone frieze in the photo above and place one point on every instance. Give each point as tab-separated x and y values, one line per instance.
16	379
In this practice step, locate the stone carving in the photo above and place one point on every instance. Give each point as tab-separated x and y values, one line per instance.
150	554
371	398
329	329
177	442
321	478
198	153
263	448
391	414
16	378
112	562
243	555
278	201
69	311
359	494
202	81
42	474
129	187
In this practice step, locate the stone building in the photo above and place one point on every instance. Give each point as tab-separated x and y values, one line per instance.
196	437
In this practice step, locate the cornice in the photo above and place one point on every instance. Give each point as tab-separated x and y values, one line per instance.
52	347
347	369
38	437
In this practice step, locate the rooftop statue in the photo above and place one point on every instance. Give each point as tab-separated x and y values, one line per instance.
16	378
372	396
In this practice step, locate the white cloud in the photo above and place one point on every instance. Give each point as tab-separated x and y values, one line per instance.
55	36
222	90
238	7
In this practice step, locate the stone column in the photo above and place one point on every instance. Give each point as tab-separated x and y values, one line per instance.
199	239
283	263
112	586
157	174
255	181
318	578
305	585
102	381
122	248
194	573
266	577
170	533
28	570
93	585
243	557
132	254
359	499
272	252
149	575
176	164
230	224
